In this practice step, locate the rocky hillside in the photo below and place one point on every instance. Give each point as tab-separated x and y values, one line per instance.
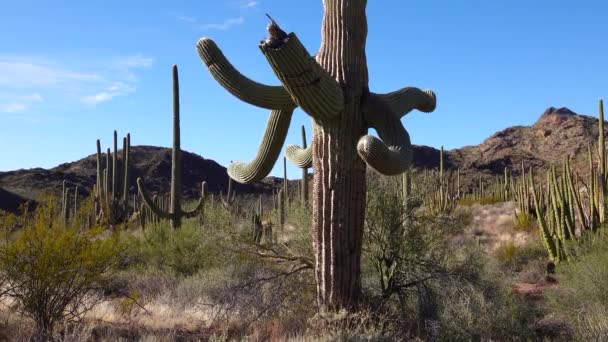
151	163
556	134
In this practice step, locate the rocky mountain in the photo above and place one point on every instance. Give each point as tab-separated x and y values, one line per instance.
151	163
557	134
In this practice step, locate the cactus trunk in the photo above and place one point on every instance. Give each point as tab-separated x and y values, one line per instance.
339	174
176	159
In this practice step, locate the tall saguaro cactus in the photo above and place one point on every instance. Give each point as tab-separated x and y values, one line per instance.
331	87
175	212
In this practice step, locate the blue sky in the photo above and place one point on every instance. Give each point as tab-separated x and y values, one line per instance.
73	71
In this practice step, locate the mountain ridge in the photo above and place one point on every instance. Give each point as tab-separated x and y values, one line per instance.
557	133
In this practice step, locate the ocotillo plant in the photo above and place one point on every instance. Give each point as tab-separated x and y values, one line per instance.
175	212
332	87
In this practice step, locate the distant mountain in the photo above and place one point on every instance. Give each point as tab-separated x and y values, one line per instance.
151	163
557	134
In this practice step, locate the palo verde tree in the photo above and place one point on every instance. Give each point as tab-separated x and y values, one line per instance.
331	87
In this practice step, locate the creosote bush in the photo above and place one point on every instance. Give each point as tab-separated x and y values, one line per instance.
52	270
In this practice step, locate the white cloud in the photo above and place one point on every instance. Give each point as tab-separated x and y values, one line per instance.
23	80
110	92
186	18
228	23
17	103
24	74
135	61
13	107
250	4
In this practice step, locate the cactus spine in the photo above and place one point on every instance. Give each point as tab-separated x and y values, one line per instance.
174	212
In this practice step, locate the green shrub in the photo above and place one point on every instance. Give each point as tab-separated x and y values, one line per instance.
581	298
524	222
52	270
424	284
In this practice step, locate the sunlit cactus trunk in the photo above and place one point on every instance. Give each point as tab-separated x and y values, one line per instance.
333	89
339	174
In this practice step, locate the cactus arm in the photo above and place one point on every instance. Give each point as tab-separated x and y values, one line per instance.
149	202
406	99
310	86
300	157
392	154
268	152
245	89
199	206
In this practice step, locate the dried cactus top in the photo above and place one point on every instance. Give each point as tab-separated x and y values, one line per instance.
276	36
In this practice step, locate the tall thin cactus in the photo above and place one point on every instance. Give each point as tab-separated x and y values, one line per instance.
304	184
175	211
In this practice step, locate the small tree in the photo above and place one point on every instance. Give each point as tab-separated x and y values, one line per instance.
50	269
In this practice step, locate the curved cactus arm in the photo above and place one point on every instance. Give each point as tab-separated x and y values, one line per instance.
310	86
268	152
404	100
199	205
245	89
149	202
393	154
300	157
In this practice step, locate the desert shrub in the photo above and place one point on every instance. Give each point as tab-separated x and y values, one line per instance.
481	310
431	288
524	222
581	298
506	252
517	258
51	270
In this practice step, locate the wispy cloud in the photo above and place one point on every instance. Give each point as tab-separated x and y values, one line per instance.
110	92
15	74
227	24
186	18
25	80
243	6
249	4
17	103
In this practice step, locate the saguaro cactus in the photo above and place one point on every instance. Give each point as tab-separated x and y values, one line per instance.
108	200
331	87
175	211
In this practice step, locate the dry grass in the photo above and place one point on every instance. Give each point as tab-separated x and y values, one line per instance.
492	227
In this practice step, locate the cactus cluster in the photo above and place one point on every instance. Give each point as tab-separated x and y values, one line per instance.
174	212
111	202
568	207
441	197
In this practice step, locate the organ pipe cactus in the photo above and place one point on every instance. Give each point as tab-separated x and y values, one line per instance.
175	211
332	88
